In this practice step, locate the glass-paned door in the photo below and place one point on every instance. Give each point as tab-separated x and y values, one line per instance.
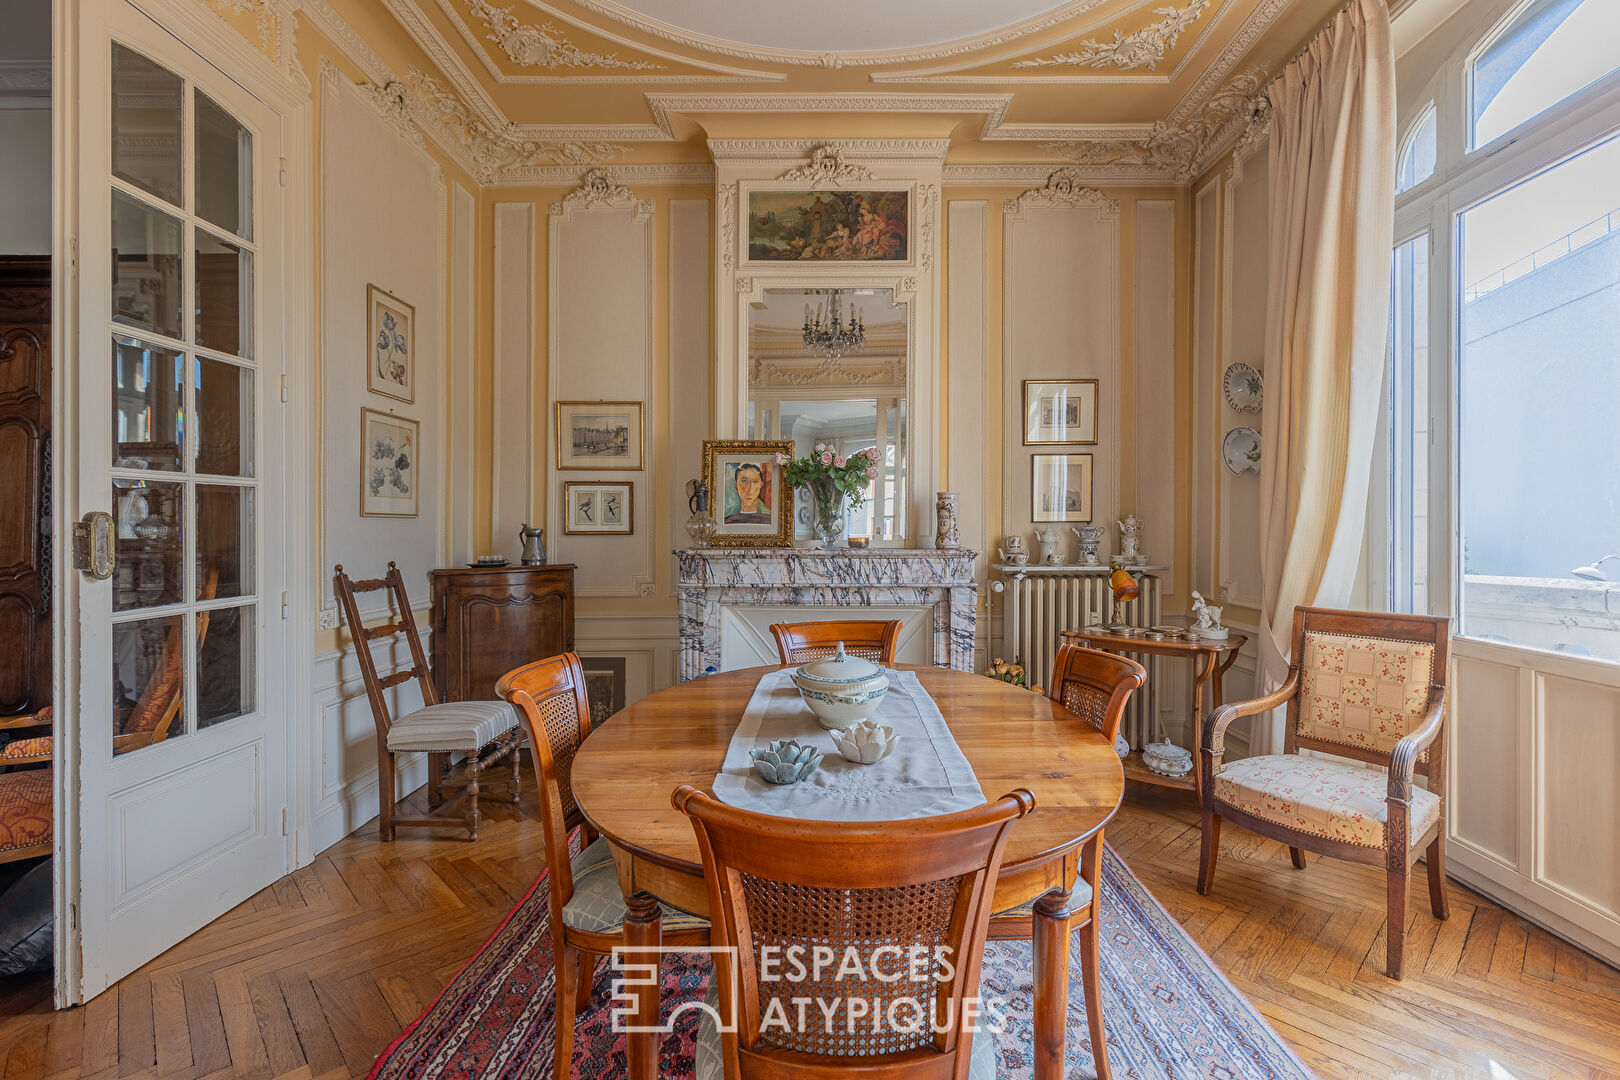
181	748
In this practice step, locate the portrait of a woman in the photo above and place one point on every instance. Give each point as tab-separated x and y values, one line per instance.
748	502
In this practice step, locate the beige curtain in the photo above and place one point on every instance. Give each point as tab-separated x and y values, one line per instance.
1332	221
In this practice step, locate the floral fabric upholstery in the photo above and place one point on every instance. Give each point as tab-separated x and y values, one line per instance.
1322	798
598	903
25	808
22	748
1363	691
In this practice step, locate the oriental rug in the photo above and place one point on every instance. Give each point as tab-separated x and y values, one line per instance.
1171	1014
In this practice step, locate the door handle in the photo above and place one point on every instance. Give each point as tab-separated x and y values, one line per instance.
93	551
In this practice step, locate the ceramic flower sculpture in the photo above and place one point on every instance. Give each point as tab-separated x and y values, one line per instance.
785	761
865	743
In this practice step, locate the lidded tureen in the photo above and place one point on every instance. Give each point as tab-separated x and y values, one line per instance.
841	689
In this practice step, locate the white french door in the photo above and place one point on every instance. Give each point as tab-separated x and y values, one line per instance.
180	730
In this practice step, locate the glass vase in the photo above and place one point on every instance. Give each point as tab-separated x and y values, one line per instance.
829	510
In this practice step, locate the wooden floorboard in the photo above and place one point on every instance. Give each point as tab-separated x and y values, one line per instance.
310	978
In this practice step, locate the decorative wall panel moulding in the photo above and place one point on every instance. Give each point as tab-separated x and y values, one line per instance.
1143	48
727	213
573	175
827	166
544	45
886	152
993	107
927	210
599	190
1063	191
274	26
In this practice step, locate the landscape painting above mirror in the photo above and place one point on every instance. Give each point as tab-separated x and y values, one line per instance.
828	226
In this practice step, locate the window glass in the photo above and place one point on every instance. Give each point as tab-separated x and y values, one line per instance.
1409	427
147	107
1552	49
1418	155
1537	401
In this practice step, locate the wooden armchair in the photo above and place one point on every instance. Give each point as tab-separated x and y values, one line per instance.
874	640
588	909
1362	686
860	891
485	731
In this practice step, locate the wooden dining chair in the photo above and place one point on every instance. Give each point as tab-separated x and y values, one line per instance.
866	892
1362	686
587	906
484	731
874	640
1095	686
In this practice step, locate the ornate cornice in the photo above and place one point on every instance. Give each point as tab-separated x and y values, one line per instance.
1143	48
573	175
26	82
871	151
544	45
1063	191
827	166
1215	75
598	191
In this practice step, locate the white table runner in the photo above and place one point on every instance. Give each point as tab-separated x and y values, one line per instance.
924	775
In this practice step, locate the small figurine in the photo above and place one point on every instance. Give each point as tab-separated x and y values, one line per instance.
1049	541
1207	619
1130	536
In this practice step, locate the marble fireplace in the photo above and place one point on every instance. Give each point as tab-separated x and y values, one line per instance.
728	598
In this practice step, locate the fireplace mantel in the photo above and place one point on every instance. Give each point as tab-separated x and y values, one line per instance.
713	580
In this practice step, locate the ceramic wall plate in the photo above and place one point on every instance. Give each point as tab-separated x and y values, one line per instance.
1243	387
1241	450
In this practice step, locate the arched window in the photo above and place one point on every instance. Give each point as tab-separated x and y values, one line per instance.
1416	163
1548	51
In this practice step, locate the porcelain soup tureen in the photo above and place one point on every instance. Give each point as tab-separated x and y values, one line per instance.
841	690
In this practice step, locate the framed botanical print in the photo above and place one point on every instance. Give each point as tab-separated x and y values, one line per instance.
1060	411
753	506
391	331
599	509
599	435
388	464
1060	487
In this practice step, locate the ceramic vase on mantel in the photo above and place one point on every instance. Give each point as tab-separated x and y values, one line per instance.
828	514
947	532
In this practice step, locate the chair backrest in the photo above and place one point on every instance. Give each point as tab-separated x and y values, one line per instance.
874	640
403	623
1095	685
550	696
1364	684
161	698
804	903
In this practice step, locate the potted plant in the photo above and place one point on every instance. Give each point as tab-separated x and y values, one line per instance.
832	480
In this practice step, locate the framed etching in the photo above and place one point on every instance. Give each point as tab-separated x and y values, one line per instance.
753	506
598	509
829	226
391	331
388	468
599	435
1060	487
1060	411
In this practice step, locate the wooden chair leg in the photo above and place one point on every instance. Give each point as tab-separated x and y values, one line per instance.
1395	934
1209	847
1091	979
1298	856
516	754
562	1040
1435	859
436	763
587	977
473	769
385	794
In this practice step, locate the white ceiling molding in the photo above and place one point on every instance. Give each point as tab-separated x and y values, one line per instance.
274	23
1063	190
1203	91
993	107
544	45
928	153
25	84
1142	48
438	50
1025	175
572	175
720	73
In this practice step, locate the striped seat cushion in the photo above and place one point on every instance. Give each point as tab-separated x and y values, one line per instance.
1078	898
452	726
597	905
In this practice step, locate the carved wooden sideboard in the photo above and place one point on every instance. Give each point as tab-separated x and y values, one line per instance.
488	620
25	426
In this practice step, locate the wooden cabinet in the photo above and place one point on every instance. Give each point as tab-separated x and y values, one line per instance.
25	431
489	620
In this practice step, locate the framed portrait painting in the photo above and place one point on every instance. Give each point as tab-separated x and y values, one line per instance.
391	331
829	226
1060	411
753	507
1060	487
599	435
598	509
388	465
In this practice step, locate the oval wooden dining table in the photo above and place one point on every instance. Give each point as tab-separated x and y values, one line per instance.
623	775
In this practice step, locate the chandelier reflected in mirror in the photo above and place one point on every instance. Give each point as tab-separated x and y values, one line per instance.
826	334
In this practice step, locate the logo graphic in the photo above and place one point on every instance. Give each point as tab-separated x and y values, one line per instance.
638	974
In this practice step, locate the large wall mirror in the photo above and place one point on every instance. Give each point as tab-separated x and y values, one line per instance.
829	365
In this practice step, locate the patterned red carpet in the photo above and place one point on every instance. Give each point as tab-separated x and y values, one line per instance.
1171	1014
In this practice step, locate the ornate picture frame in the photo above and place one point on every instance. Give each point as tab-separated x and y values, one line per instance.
1060	488
600	435
599	509
1060	412
753	505
390	345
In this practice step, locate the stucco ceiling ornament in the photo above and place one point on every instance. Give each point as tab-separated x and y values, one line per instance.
1144	48
827	166
728	206
394	103
1064	190
265	20
544	45
598	189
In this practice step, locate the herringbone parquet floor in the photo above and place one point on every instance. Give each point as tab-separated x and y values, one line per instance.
311	978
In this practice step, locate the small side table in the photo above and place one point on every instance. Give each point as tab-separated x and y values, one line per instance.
1210	658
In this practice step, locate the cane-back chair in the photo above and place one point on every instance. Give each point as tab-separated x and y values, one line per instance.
588	908
867	893
1361	686
484	731
874	640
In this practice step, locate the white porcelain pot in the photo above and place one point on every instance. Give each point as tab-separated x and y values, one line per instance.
841	690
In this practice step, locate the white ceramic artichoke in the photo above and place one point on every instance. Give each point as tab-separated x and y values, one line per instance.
786	761
865	743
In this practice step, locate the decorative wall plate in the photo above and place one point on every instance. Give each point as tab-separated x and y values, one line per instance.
1243	387
1241	451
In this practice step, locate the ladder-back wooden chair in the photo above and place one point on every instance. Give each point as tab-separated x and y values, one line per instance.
588	908
485	731
862	890
1095	686
874	640
1362	686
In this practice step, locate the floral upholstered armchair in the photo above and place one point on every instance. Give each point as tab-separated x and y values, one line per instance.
1366	687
